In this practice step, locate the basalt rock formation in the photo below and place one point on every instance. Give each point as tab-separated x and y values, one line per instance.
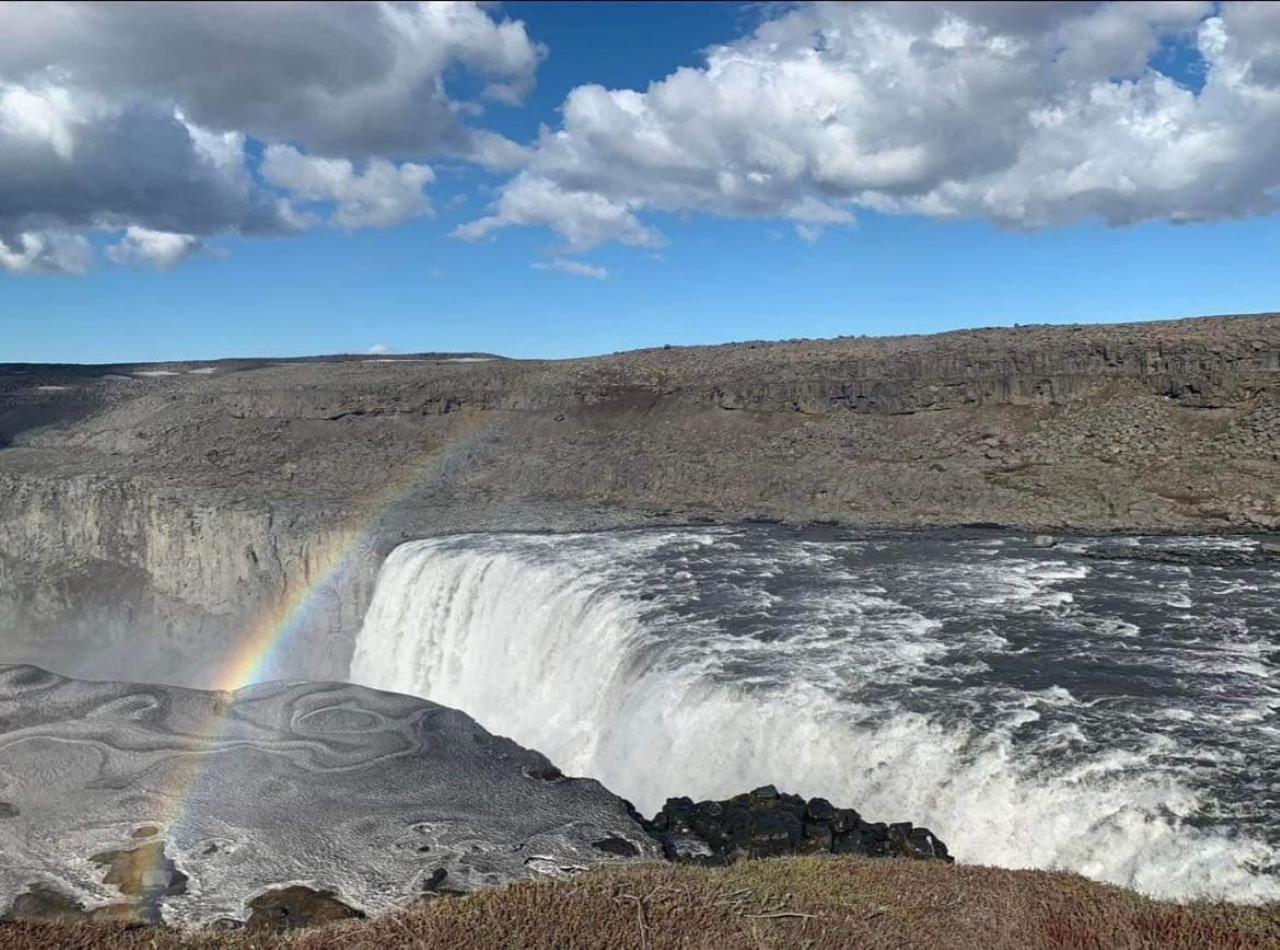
766	823
189	504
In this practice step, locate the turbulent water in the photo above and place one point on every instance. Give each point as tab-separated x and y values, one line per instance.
1036	707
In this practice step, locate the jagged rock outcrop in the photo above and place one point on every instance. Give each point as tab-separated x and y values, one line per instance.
280	803
765	823
193	507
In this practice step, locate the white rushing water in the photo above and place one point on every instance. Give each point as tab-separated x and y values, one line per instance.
705	663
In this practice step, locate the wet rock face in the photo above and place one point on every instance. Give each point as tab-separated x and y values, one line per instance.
160	804
766	823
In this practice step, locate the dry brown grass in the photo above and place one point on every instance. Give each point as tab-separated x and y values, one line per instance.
815	902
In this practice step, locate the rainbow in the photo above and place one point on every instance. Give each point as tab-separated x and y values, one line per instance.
270	633
272	630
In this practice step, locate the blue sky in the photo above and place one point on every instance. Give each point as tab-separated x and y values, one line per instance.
715	275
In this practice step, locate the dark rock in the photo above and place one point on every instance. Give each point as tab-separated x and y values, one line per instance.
817	836
45	903
767	823
765	795
898	838
819	809
846	819
673	815
773	833
1264	555
867	839
544	773
8	810
687	849
615	845
434	888
289	908
922	843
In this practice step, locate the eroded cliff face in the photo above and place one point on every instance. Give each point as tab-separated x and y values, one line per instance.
89	566
202	506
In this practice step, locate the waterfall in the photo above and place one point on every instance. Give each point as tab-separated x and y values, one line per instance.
601	651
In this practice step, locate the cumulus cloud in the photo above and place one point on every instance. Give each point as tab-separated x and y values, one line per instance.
382	195
345	79
1028	115
71	161
379	349
120	116
48	252
584	217
576	268
160	249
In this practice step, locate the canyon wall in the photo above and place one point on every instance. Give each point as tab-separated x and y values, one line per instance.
235	502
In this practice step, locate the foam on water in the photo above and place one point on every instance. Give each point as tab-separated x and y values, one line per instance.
1032	709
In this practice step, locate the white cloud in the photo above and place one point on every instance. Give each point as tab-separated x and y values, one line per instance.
584	218
1028	115
121	116
382	195
160	249
346	79
576	268
48	252
71	162
379	349
127	118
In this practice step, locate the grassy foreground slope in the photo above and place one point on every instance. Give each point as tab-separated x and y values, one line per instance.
788	902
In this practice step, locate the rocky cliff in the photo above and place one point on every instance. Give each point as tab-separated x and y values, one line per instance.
188	502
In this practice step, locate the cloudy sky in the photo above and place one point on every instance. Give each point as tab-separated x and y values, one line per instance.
200	180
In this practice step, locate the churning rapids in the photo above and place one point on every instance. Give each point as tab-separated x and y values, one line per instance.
1037	707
